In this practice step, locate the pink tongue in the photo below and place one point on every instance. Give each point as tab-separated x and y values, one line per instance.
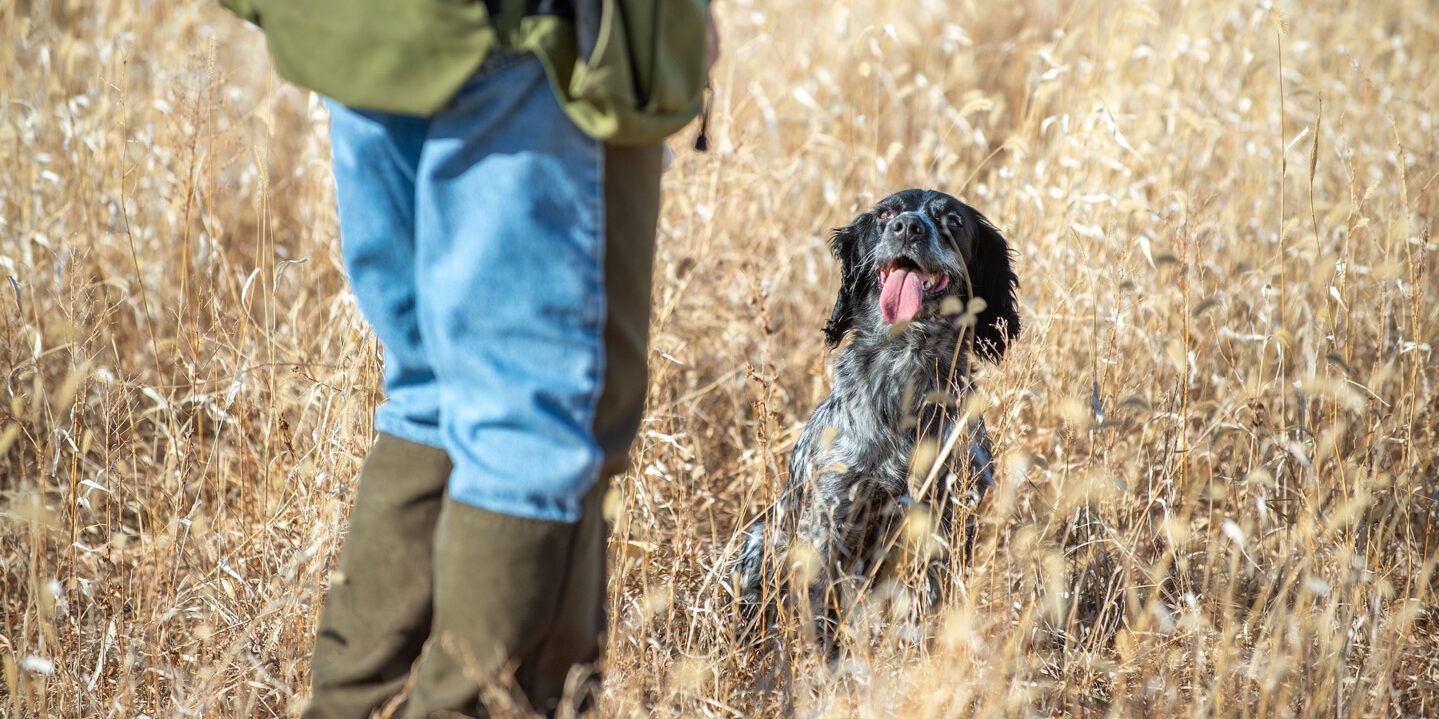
899	299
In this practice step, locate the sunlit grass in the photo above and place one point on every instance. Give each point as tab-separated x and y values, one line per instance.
1217	432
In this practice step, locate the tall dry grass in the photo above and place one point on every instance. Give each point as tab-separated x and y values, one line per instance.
1218	431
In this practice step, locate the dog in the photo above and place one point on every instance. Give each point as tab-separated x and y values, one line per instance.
925	282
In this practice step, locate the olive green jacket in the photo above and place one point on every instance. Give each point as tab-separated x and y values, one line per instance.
644	77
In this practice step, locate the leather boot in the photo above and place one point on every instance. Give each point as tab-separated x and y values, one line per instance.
513	595
377	612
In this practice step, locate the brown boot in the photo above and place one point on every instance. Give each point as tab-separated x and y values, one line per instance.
377	613
512	594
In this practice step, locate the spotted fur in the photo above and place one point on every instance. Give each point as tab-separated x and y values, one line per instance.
895	386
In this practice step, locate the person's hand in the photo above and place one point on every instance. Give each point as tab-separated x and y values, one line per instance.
712	44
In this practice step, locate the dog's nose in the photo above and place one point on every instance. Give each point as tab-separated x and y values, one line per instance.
907	227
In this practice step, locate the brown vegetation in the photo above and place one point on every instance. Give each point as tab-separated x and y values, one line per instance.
1218	432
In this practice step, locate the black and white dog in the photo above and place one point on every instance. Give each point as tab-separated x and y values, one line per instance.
925	281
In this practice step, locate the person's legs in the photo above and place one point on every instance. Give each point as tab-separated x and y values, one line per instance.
376	615
632	203
546	381
512	595
512	307
375	157
510	233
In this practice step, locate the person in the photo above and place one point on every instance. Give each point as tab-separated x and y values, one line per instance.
498	238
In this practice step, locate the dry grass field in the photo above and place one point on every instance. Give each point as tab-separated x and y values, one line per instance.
1218	432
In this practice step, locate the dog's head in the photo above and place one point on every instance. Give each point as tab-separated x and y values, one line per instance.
900	260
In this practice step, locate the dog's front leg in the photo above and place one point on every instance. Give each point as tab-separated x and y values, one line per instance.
758	574
967	478
755	572
832	529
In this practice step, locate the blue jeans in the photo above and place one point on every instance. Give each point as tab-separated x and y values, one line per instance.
475	246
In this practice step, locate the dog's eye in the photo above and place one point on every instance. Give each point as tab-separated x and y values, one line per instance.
955	220
886	214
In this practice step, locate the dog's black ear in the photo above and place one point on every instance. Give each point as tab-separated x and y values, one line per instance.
856	278
995	281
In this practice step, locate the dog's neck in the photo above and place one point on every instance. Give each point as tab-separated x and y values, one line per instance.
903	369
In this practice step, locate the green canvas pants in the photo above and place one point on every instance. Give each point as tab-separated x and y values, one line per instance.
432	598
